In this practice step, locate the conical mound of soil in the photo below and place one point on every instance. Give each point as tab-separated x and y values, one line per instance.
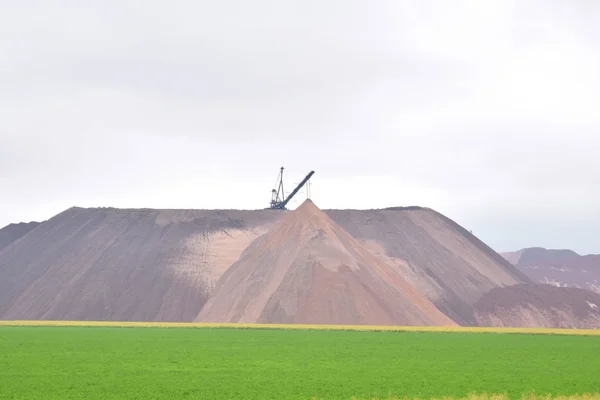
308	270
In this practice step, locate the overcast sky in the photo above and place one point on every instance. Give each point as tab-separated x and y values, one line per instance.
487	111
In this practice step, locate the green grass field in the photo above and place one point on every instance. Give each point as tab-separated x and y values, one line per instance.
224	363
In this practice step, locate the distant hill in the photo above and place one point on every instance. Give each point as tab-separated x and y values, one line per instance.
558	267
534	255
539	306
13	232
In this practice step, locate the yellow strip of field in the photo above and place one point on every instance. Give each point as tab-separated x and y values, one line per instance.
587	396
546	331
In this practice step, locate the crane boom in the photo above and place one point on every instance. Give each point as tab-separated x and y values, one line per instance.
280	205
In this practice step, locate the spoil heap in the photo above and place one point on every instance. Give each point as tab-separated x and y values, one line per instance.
162	265
308	270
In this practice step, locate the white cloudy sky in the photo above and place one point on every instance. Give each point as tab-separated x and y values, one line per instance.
488	111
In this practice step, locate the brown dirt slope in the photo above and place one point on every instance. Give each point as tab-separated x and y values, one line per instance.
14	232
561	268
444	261
308	270
539	306
133	265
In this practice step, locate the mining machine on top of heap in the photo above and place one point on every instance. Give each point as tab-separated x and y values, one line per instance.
278	199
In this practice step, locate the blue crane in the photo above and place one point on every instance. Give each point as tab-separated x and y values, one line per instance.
278	200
